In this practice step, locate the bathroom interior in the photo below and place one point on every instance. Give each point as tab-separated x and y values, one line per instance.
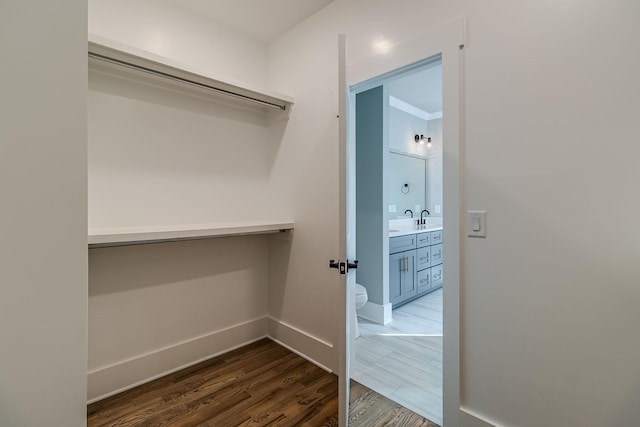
398	344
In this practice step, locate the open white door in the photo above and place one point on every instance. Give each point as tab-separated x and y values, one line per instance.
346	250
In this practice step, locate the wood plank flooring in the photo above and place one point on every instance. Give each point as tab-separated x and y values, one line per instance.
403	359
369	408
262	384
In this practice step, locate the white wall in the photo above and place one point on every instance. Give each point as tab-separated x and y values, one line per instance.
43	250
155	308
160	27
402	130
550	297
159	157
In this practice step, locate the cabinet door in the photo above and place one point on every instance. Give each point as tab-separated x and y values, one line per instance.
424	280
396	267
408	279
402	283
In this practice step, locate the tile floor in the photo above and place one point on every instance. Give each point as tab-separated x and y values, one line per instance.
403	359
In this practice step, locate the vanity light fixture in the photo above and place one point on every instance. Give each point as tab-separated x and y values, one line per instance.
420	139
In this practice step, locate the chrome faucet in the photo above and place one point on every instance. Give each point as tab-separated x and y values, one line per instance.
410	211
422	220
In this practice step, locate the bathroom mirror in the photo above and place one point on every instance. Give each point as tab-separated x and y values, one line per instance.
406	184
413	169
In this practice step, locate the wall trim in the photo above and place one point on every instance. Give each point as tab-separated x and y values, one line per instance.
378	313
314	349
124	375
112	379
473	419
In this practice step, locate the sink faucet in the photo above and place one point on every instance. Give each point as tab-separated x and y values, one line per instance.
422	220
410	211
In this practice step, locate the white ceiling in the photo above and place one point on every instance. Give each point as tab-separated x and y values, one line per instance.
261	20
422	89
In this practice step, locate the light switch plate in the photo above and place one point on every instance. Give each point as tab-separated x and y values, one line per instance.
477	223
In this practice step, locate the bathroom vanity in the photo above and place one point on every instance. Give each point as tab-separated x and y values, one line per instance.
415	263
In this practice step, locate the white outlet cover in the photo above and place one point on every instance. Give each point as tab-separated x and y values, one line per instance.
393	208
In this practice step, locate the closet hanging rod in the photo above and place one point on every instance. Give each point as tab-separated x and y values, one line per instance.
185	81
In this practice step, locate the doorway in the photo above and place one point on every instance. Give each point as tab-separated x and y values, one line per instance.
397	345
448	42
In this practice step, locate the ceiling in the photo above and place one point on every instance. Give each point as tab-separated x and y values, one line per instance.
422	89
261	20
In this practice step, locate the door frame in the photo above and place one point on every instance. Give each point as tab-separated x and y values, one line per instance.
447	40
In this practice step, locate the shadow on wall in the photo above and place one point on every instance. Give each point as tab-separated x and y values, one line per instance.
163	92
125	268
279	260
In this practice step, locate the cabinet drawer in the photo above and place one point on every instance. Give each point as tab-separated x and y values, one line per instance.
424	280
423	239
423	258
436	237
436	254
436	276
402	243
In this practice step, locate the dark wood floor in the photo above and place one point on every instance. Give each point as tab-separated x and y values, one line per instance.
262	384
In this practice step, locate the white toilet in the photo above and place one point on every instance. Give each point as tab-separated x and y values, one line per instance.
360	301
361	296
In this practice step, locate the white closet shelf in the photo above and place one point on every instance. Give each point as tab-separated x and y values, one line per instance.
103	237
128	57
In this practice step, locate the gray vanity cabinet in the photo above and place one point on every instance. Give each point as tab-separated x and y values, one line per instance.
402	269
415	266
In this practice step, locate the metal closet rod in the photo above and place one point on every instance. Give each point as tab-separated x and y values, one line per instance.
185	81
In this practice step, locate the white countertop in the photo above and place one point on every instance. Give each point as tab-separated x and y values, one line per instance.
404	227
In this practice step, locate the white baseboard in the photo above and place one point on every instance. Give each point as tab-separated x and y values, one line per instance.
473	419
378	313
314	349
109	380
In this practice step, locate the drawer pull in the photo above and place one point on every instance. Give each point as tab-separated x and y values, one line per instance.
424	281
424	258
